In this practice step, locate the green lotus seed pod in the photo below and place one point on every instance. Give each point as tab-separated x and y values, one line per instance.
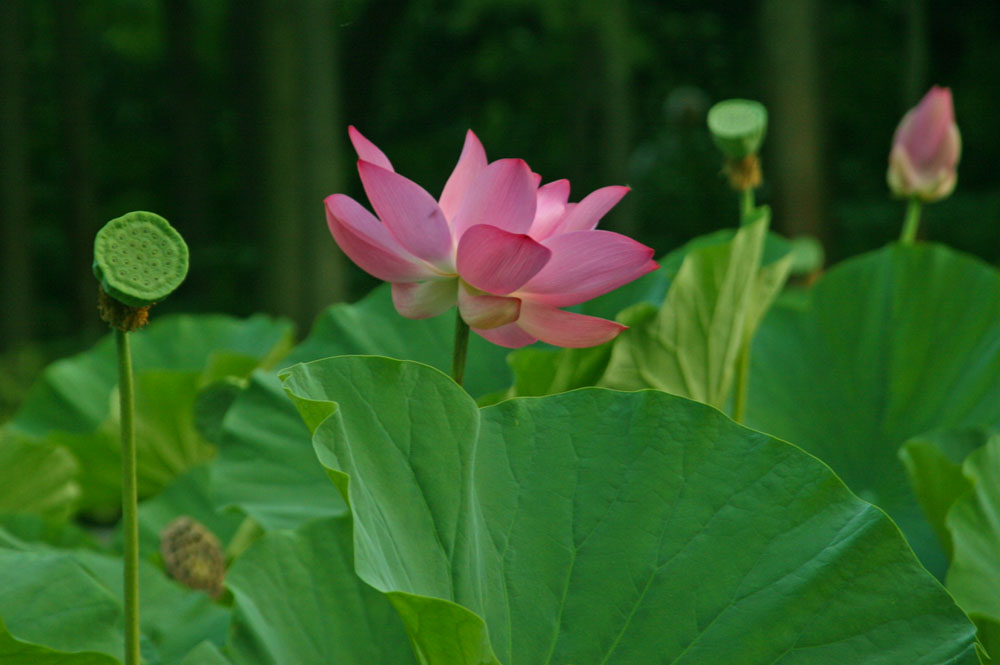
738	126
139	258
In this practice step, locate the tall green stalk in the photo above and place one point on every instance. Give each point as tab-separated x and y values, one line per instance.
130	498
747	205
139	259
911	222
461	349
742	381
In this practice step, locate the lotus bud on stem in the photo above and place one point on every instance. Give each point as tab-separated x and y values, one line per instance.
924	157
139	259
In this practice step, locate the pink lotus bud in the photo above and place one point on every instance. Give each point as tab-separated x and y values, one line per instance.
925	149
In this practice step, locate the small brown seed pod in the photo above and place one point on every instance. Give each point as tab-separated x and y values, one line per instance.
193	556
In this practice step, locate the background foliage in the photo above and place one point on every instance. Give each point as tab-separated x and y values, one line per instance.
229	119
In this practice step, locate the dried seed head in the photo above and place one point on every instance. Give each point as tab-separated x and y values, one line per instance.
192	555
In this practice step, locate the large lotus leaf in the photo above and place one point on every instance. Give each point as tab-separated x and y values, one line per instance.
173	619
75	403
17	652
298	600
54	612
70	600
24	531
36	476
266	466
603	527
714	305
206	653
372	326
974	523
889	345
73	394
933	463
167	441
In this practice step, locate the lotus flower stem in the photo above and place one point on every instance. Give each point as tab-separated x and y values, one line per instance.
911	222
461	349
130	522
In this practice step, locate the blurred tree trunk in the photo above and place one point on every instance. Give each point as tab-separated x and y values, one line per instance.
190	204
246	90
79	152
917	53
284	263
795	163
302	146
322	147
601	109
15	249
611	20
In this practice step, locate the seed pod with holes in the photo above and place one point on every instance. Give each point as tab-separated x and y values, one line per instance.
738	127
139	258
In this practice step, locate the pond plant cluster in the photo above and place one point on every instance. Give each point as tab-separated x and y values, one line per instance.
723	456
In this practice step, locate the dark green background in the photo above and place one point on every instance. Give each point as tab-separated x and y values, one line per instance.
229	118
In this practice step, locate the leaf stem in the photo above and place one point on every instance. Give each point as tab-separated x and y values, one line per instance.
911	222
130	522
742	382
461	348
746	205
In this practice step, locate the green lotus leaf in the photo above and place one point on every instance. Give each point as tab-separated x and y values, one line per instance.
266	466
25	531
206	653
50	489
173	619
53	611
933	463
298	600
58	602
885	347
74	404
603	527
974	575
714	304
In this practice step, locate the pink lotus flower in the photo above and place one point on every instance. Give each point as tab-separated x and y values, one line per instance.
925	149
509	253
